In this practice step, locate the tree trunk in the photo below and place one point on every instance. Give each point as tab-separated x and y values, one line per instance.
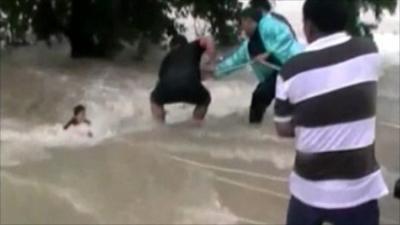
92	28
80	31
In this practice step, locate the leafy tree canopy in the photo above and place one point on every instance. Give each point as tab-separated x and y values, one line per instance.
94	27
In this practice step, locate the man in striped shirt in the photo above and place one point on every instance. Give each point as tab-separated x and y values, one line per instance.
326	99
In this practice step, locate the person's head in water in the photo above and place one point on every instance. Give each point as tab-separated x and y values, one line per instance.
324	17
263	5
249	19
80	114
177	41
79	117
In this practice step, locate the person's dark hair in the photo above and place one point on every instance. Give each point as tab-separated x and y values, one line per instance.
252	13
78	109
178	40
328	16
261	4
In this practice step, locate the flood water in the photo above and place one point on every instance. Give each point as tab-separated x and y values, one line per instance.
136	172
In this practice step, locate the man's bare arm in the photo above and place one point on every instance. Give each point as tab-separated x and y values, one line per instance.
285	129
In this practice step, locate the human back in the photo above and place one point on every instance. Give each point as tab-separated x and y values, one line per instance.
279	38
326	99
181	67
180	78
333	93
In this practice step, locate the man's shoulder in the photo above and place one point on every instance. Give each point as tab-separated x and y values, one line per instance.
308	60
267	20
275	19
279	16
295	65
364	44
167	58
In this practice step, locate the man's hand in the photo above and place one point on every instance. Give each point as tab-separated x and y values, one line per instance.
285	130
207	71
261	58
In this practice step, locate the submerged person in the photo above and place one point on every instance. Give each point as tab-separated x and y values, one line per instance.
180	78
79	121
271	43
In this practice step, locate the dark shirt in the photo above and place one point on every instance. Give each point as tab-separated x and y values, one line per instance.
256	47
181	66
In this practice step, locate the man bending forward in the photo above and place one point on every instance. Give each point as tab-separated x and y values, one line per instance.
180	78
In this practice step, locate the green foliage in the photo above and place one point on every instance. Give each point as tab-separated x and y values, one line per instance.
126	19
221	14
18	18
144	18
378	7
94	27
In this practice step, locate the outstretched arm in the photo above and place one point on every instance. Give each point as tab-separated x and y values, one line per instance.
209	45
236	61
70	122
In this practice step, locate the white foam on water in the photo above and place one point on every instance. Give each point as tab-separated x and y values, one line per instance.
390	176
207	215
58	193
389	47
208	210
22	145
114	108
117	101
280	160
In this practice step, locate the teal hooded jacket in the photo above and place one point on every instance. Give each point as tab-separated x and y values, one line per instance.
278	41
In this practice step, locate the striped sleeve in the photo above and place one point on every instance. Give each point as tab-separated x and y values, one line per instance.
283	107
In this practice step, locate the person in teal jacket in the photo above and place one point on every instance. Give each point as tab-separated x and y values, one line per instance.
271	43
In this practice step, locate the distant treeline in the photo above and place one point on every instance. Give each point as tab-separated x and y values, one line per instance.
94	28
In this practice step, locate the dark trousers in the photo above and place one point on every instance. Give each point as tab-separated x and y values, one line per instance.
301	214
397	189
262	98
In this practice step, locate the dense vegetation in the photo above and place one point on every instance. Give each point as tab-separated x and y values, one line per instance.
95	27
378	7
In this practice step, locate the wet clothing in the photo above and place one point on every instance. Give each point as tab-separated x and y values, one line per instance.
180	77
275	36
74	122
328	93
195	94
301	214
283	19
178	39
265	91
262	98
397	189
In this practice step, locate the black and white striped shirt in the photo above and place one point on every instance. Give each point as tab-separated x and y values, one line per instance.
329	94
